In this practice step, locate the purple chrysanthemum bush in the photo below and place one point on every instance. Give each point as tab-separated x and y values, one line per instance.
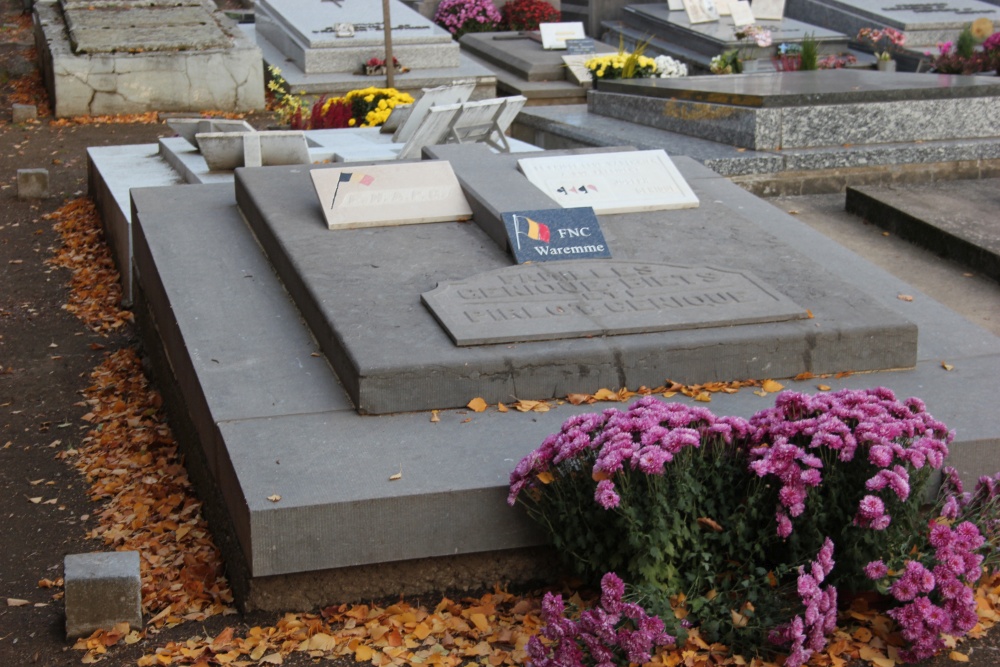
748	529
461	16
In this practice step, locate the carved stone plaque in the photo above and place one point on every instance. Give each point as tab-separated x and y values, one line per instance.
576	299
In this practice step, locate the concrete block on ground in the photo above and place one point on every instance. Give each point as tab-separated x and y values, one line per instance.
22	113
32	183
102	590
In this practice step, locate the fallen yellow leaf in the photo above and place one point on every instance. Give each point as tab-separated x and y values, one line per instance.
545	477
274	498
947	366
477	405
772	387
435	416
958	657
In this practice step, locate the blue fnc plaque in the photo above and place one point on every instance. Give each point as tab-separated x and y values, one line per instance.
553	234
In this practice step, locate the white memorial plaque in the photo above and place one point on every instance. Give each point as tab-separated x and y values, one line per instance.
554	35
386	195
769	10
742	14
675	5
701	11
723	7
611	182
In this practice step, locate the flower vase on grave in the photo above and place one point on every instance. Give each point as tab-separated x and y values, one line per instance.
886	65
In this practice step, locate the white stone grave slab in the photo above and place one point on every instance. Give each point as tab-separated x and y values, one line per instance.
623	182
769	10
701	11
387	195
554	35
433	130
741	12
189	127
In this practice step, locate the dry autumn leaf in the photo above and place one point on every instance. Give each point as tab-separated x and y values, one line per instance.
274	498
709	523
771	387
477	405
904	297
948	367
17	602
435	416
958	657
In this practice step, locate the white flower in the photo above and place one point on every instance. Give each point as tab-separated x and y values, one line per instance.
667	67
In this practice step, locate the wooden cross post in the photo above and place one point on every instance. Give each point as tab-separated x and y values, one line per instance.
390	70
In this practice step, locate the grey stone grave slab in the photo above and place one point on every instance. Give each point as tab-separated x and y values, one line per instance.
247	380
957	220
413	365
828	108
303	31
136	70
520	55
924	23
155	26
674	34
601	298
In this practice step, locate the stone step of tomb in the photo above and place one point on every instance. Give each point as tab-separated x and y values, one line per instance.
954	220
521	55
924	23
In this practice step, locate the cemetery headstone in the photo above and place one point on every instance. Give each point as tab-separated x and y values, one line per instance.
390	195
611	182
555	234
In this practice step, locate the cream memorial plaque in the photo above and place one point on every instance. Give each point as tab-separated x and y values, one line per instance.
390	194
623	182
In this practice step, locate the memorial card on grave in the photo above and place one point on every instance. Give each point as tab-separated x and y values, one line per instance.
723	7
741	12
769	10
555	233
578	47
390	194
554	35
701	11
610	183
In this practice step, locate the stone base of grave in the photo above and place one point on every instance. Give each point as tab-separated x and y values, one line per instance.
672	33
120	59
303	481
801	110
925	24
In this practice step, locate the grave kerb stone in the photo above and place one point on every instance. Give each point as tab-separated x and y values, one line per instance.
102	590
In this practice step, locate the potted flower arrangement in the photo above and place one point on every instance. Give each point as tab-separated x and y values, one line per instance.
742	58
622	65
376	66
962	57
527	14
366	107
883	42
462	16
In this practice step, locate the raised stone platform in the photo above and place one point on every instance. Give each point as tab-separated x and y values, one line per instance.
252	386
957	220
130	57
413	365
809	109
673	34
